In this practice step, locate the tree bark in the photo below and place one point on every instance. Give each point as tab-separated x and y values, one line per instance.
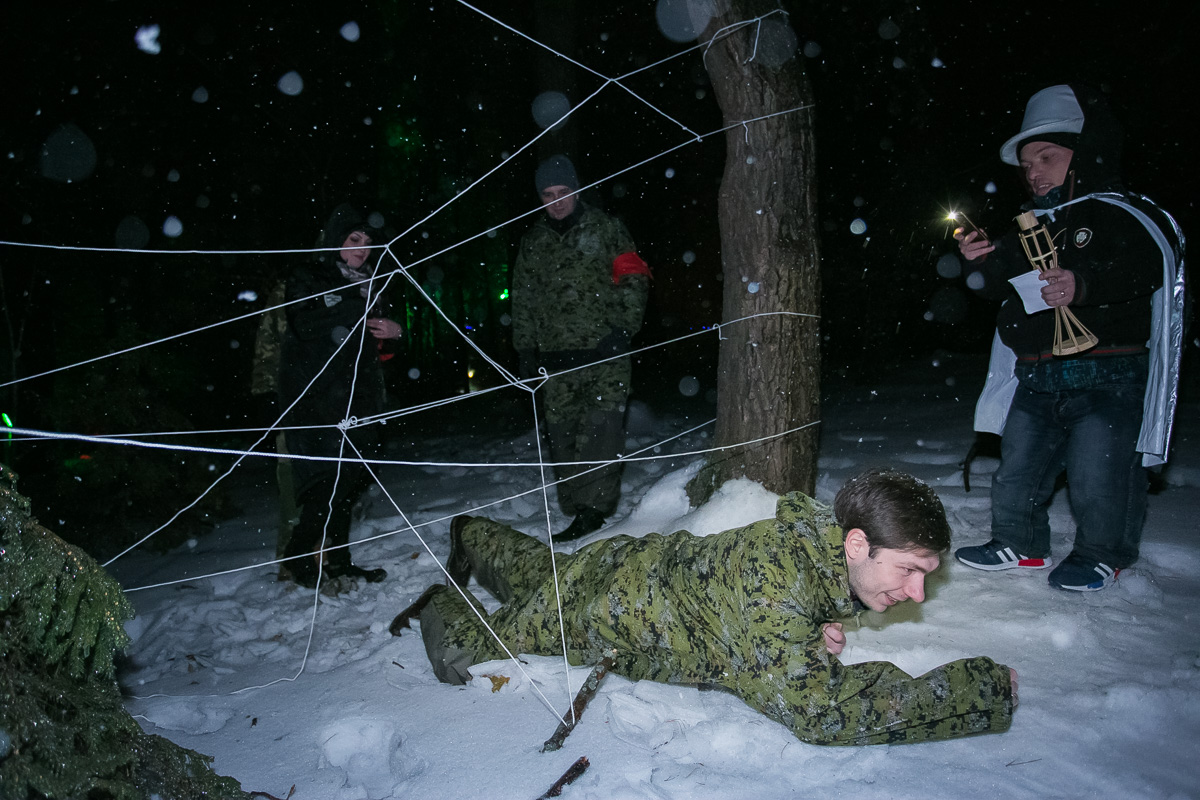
769	367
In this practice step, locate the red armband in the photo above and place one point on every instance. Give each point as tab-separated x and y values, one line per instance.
629	264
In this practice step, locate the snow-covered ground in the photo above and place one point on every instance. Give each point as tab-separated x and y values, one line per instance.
1110	682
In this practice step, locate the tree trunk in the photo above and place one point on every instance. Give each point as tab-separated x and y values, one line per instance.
769	367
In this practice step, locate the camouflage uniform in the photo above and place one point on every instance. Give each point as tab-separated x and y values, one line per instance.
741	610
567	309
264	380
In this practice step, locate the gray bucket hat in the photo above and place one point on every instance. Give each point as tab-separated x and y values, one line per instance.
1052	110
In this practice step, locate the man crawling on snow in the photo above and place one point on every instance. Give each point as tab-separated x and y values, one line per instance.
752	610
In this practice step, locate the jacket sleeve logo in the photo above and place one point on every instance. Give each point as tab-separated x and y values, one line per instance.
1082	237
332	300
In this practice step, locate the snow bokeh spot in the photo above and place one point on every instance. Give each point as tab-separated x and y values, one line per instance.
858	227
777	42
200	95
549	107
132	233
291	83
689	386
689	257
146	38
682	20
68	155
350	31
990	187
948	266
812	49
172	227
888	30
975	280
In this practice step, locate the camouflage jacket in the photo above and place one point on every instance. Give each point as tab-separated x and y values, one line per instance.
268	344
743	610
563	296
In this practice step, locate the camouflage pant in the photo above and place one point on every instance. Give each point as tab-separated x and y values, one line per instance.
740	610
609	608
585	417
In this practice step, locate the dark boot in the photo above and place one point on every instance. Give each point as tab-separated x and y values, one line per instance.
458	566
589	520
303	571
337	563
345	569
403	619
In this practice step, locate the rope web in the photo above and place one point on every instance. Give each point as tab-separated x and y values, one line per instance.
389	267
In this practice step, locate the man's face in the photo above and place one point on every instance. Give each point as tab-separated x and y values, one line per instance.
1045	166
354	249
890	577
557	204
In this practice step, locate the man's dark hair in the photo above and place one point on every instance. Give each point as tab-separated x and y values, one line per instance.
895	510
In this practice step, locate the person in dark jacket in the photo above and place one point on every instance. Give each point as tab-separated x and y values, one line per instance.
755	611
1082	413
331	371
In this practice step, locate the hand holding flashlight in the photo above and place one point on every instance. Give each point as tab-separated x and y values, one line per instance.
973	243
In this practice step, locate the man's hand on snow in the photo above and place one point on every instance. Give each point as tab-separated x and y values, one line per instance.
835	639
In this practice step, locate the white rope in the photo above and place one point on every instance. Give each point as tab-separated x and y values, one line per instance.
146	251
349	422
429	257
462	591
541	487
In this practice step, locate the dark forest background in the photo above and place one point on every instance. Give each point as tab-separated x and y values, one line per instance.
913	102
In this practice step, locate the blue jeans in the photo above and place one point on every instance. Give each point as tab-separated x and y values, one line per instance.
1092	434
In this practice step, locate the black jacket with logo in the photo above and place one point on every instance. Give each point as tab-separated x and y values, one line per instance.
1116	263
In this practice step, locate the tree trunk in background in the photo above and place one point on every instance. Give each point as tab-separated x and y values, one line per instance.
769	367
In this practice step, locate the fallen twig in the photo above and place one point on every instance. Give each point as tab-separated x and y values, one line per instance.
573	772
585	695
291	792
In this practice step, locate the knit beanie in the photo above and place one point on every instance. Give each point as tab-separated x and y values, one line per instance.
555	171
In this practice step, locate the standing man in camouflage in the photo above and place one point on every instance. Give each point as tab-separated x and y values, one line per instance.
754	611
579	292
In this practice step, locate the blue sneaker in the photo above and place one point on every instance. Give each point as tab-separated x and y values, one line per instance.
1076	574
995	555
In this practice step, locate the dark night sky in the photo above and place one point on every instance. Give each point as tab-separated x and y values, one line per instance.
431	94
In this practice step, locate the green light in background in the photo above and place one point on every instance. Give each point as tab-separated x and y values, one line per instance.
403	137
504	294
